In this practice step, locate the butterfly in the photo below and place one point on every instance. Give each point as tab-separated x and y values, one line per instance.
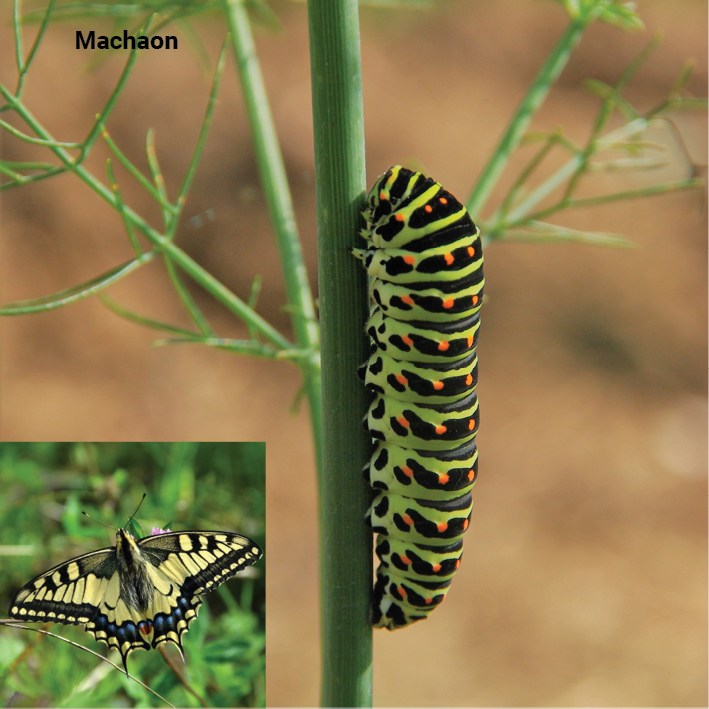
140	593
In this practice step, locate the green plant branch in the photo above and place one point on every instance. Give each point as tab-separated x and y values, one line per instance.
606	111
33	50
280	206
71	295
28	179
689	184
245	347
531	102
179	257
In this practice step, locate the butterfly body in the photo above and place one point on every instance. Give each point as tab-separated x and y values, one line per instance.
140	593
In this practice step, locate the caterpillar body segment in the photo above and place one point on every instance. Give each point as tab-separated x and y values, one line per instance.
424	257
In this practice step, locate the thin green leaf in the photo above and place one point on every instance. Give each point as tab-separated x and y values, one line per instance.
545	232
190	305
627	165
102	117
71	295
248	347
17	27
27	179
158	179
683	103
606	92
120	205
146	322
206	123
253	300
38	141
622	15
683	78
132	169
35	46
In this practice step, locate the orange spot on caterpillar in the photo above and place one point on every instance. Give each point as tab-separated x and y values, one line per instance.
402	380
406	560
469	379
407	340
443	346
465	525
407	471
410	260
383	196
401	591
403	421
448	303
457	564
443	479
471	251
442	526
470	341
475	300
408	299
399	217
471	424
440	430
408	520
471	474
449	258
443	200
429	600
428	208
438	386
436	567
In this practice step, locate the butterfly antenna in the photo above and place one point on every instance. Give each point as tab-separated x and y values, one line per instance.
99	521
136	511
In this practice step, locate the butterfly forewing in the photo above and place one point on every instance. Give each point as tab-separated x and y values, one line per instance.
69	593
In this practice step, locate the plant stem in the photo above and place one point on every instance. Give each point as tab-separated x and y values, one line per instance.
280	206
180	258
531	102
340	182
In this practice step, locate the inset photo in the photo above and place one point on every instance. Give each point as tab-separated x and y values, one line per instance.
111	548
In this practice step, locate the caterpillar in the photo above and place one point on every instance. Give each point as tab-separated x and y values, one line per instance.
424	259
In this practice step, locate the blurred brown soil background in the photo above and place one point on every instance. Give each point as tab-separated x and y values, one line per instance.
585	574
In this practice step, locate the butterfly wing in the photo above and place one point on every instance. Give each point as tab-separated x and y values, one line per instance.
69	593
83	591
185	565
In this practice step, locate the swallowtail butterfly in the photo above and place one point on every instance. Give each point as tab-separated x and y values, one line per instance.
140	593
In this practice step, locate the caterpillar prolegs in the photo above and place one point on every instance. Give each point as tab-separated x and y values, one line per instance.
424	258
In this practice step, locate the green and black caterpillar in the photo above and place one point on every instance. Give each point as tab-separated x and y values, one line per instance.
424	258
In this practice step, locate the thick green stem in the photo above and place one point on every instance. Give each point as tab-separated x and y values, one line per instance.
340	182
531	102
280	207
